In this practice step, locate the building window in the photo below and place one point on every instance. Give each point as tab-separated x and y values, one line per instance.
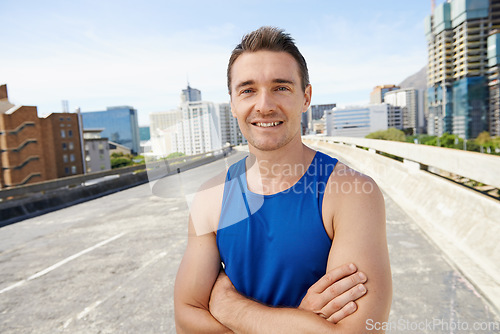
61	119
101	157
64	146
69	119
73	169
87	158
63	134
65	158
66	170
70	133
72	157
71	146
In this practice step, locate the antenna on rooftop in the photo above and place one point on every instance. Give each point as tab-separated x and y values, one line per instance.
65	106
433	6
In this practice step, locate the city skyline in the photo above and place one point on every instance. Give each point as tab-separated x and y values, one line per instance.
96	55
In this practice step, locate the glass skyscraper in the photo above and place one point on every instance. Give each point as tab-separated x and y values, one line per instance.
119	124
458	95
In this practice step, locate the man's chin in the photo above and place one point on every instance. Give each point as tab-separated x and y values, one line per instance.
268	146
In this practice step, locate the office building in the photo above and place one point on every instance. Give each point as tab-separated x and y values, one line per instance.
358	121
199	131
163	129
97	155
459	73
493	82
119	123
144	133
314	113
409	100
190	94
378	93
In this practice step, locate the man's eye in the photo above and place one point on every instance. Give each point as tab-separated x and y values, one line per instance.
246	91
283	88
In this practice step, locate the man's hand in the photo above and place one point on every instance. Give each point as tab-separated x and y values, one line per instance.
333	295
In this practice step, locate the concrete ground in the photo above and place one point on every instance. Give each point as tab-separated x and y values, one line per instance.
108	266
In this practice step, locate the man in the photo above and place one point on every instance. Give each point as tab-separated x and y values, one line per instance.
298	232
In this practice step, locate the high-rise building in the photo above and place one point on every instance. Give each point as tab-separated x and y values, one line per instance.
378	93
458	95
120	125
493	83
199	131
412	113
230	130
163	128
190	94
358	121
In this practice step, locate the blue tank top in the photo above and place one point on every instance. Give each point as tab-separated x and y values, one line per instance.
274	247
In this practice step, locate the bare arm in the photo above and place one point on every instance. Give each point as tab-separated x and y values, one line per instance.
197	273
199	267
360	236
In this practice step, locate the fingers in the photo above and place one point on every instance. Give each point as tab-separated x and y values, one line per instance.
333	276
348	309
340	306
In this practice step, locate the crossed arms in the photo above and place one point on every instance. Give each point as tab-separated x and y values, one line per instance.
206	301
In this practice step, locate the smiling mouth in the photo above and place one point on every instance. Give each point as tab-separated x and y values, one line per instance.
267	125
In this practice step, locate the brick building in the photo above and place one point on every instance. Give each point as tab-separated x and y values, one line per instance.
34	149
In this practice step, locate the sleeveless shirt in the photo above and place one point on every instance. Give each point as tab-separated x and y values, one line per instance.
274	247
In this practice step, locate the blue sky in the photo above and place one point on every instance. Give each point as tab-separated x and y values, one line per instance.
141	53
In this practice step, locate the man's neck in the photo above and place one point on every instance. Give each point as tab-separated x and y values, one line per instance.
270	172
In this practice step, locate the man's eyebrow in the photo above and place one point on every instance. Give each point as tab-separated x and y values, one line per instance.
284	81
244	83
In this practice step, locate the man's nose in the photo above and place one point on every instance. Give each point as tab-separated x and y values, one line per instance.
265	102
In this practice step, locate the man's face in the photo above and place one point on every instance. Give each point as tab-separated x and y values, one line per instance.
267	98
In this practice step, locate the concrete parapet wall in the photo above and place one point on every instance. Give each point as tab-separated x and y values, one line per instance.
53	195
463	223
476	166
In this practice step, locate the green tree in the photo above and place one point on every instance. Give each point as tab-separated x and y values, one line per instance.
389	134
483	139
117	154
121	162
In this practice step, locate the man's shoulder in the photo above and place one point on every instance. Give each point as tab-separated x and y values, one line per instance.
348	183
206	204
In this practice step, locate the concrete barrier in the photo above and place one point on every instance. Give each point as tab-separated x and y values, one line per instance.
54	195
464	223
476	166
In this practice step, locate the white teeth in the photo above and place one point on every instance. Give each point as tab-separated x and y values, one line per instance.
266	125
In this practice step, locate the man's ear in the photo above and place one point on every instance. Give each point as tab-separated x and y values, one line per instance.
307	98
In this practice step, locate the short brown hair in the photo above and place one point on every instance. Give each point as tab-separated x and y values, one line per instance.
269	39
